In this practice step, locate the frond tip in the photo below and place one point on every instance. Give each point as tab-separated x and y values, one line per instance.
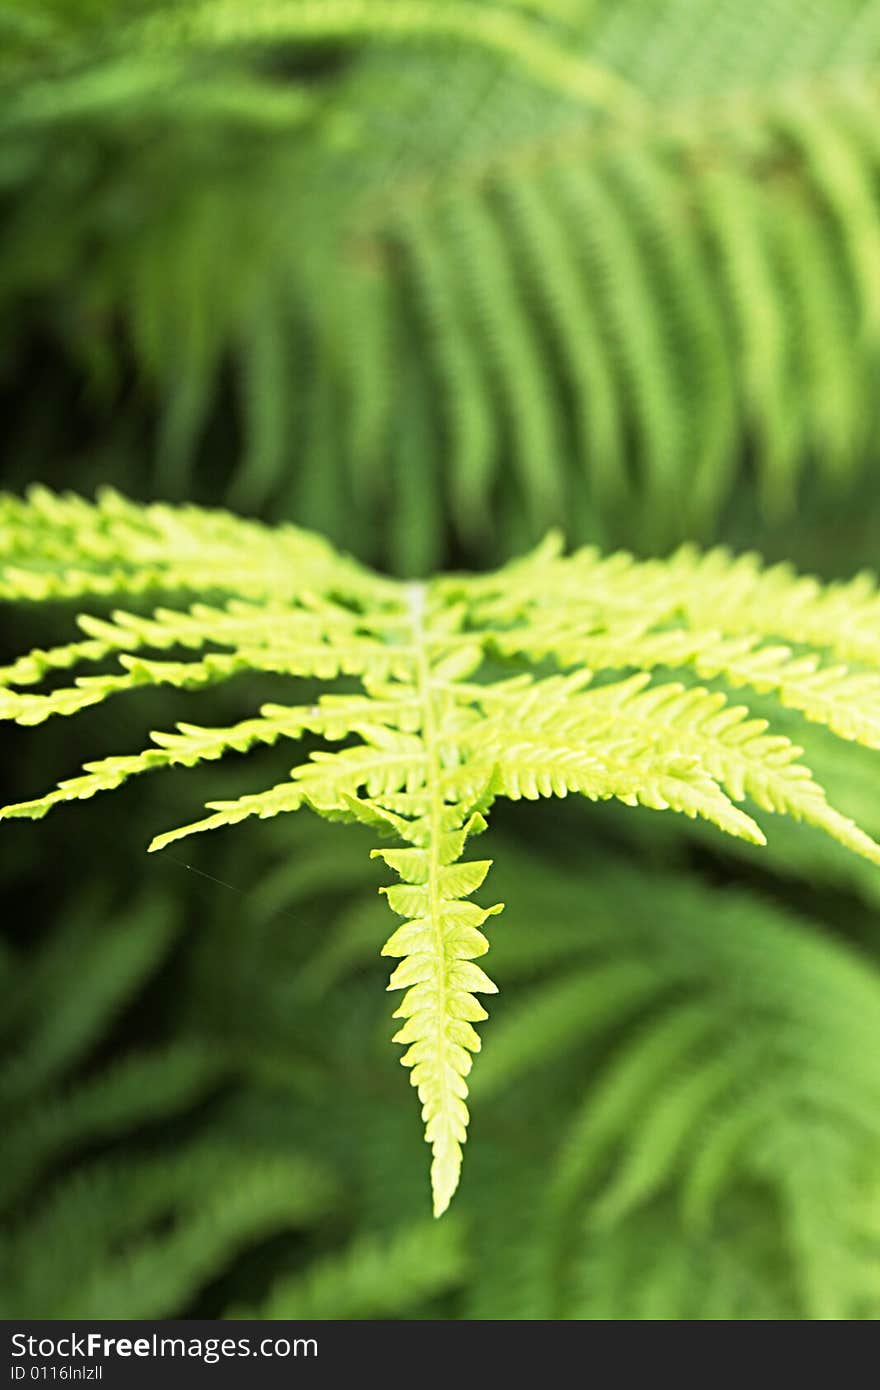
437	947
436	733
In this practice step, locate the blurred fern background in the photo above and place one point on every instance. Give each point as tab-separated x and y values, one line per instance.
430	276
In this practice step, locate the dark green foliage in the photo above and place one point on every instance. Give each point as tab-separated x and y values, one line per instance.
426	276
677	1110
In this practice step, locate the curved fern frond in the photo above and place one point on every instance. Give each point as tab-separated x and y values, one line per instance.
272	21
629	249
458	706
149	1234
371	1278
722	1074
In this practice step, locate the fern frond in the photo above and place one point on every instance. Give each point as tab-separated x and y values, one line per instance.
715	1057
648	234
456	708
110	965
614	999
371	1278
135	1090
109	1248
273	21
437	948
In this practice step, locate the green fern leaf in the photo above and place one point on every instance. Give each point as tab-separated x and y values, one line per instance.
456	709
629	249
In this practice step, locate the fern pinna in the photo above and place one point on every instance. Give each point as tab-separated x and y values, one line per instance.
537	680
